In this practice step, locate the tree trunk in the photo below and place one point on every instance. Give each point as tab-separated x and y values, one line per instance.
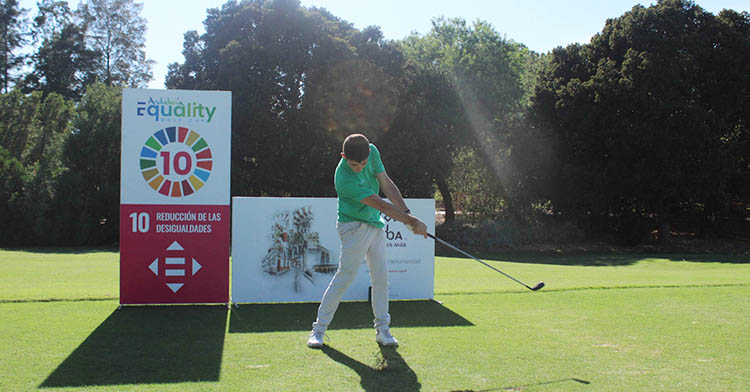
665	233
450	215
5	60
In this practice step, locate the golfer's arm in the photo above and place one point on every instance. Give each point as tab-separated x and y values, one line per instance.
389	209
391	191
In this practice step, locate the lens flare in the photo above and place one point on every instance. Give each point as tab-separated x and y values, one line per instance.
354	96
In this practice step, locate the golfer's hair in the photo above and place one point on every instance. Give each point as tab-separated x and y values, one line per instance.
356	147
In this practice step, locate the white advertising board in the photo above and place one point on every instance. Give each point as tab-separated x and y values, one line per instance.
287	250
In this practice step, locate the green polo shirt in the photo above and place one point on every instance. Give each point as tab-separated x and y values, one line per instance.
352	187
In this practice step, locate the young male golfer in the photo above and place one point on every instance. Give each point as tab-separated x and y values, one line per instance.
359	177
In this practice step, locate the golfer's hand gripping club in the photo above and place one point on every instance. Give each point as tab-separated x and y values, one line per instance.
418	228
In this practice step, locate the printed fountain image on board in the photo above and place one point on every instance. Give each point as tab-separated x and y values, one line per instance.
295	251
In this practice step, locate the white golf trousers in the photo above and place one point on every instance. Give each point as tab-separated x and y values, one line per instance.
358	241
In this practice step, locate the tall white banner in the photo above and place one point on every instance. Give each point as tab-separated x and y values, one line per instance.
287	250
174	196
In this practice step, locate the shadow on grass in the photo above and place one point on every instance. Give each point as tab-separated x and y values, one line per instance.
253	318
72	250
145	345
389	373
523	387
590	260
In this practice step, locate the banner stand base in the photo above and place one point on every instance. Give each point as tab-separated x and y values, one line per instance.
228	305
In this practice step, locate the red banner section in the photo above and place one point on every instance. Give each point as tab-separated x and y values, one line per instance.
174	254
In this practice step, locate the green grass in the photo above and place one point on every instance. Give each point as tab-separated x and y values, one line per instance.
53	275
466	276
603	323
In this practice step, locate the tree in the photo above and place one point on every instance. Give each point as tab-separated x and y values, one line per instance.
63	63
117	31
90	189
640	119
11	190
429	116
299	78
33	129
12	37
733	95
52	17
485	75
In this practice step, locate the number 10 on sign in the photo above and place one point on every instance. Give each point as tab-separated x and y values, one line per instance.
141	222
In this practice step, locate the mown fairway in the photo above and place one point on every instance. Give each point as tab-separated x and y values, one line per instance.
603	323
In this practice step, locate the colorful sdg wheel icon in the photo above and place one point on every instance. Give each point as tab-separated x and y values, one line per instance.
176	161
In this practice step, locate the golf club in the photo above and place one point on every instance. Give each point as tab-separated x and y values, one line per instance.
535	288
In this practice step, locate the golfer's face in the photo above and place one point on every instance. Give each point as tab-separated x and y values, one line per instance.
356	166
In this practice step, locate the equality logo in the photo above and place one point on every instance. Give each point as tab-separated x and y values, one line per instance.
166	109
176	161
175	267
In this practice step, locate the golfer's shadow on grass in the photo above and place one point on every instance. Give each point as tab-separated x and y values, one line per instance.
148	345
256	318
389	371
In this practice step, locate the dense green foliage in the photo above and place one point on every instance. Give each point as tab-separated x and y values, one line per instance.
118	33
644	127
64	64
60	125
32	135
280	62
480	89
649	120
12	37
91	202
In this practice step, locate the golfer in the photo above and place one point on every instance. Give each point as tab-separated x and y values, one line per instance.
359	177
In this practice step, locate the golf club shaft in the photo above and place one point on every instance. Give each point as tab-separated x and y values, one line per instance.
468	255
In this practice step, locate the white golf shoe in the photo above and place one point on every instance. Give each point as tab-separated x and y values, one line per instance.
316	339
384	338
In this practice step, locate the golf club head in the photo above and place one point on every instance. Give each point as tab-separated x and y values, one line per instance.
538	286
